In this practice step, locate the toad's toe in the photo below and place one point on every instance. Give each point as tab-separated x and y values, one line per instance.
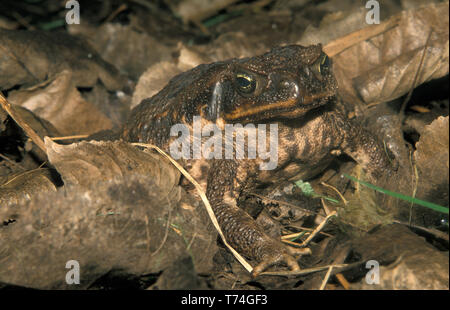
276	253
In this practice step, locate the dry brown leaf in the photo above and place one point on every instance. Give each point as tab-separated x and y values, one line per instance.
384	67
30	57
197	10
86	163
41	127
59	102
129	50
8	24
432	160
409	261
334	26
230	45
127	224
25	185
153	80
124	204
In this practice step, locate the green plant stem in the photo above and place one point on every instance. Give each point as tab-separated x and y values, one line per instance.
422	203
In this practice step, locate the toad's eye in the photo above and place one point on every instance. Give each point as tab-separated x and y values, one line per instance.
322	63
245	82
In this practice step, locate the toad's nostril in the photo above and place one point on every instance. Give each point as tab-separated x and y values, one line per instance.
307	71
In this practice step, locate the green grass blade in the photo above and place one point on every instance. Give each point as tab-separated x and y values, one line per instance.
52	25
221	18
299	236
423	203
329	199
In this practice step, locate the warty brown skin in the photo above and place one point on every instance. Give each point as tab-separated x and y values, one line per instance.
292	86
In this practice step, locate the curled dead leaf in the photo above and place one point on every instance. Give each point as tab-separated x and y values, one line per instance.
384	67
30	126
59	102
30	57
86	163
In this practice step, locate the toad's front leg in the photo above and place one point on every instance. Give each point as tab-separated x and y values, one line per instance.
239	228
363	146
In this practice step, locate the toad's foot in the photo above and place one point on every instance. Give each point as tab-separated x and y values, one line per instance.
275	253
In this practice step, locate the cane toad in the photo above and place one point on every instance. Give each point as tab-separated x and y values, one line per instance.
291	86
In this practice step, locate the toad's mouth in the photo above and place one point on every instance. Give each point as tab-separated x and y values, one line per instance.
295	106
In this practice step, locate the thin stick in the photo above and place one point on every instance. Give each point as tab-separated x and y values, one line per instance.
303	272
325	280
12	162
291	243
166	233
295	235
325	206
416	76
120	9
21	175
69	137
339	45
318	229
343	281
337	191
433	231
